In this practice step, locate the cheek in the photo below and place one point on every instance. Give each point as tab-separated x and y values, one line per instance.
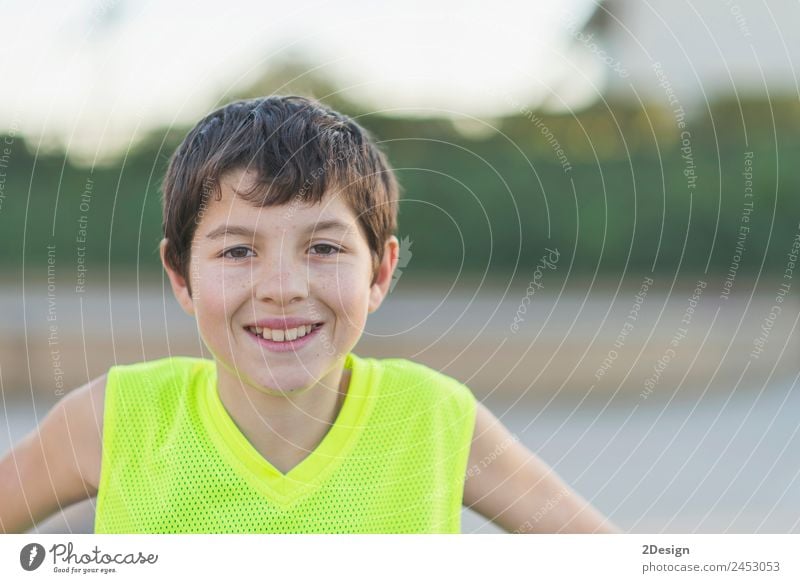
219	292
347	293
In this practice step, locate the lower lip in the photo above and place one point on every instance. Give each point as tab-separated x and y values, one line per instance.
286	346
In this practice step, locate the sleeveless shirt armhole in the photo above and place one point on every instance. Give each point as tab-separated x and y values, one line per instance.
109	428
469	431
470	414
117	381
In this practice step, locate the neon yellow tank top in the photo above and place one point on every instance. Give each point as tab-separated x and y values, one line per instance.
175	462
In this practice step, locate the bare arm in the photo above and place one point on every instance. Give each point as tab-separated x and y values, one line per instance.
509	485
55	465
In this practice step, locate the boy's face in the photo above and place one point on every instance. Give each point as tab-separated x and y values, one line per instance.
256	267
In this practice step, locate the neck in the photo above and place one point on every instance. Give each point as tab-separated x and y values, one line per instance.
285	429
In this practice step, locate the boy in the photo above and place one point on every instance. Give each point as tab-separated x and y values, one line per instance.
279	220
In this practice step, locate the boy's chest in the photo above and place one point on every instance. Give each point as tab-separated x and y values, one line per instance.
368	494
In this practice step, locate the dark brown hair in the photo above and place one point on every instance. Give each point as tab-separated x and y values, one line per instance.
298	149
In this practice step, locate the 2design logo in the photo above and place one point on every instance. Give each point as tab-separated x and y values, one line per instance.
31	556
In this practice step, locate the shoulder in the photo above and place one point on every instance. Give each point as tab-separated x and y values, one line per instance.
142	394
81	417
410	371
167	368
156	377
421	383
76	422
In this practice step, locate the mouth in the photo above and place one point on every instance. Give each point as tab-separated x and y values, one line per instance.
281	340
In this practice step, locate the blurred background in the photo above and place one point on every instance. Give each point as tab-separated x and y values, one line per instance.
600	220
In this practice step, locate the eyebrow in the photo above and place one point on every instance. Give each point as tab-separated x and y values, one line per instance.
329	225
234	230
224	230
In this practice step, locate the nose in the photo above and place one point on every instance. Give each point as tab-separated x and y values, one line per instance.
281	281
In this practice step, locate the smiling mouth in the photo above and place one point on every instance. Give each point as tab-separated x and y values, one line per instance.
283	335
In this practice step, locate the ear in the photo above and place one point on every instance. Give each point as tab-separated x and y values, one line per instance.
178	282
379	289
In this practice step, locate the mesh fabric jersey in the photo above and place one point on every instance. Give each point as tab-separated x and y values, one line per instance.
174	461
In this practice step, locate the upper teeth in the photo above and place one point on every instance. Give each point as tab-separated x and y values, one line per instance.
282	335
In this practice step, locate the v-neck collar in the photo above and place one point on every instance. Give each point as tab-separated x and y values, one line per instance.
286	489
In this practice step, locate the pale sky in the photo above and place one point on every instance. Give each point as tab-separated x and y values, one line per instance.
96	73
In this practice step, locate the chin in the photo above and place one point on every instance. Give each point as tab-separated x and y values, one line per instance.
284	383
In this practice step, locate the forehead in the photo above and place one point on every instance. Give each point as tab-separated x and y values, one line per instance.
230	205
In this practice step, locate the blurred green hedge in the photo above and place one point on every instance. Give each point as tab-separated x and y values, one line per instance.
489	196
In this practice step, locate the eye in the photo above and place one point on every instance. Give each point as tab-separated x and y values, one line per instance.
325	249
236	253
